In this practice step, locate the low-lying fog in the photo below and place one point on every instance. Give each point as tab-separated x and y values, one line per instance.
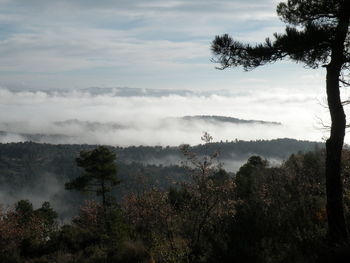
124	117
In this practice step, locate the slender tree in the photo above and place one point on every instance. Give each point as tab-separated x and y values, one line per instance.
99	175
316	34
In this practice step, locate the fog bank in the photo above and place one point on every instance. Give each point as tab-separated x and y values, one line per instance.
127	117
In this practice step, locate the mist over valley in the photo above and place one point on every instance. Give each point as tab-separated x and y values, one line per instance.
44	131
129	116
38	172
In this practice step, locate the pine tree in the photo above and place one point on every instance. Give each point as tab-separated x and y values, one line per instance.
99	175
316	34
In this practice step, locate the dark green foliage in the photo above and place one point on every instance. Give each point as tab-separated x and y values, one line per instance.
263	214
100	177
302	12
220	177
247	175
317	34
34	168
85	239
308	38
25	209
280	213
47	213
178	197
59	159
99	174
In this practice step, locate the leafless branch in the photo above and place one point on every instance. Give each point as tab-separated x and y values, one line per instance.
344	82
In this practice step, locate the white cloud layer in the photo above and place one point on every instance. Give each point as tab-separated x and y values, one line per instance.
149	120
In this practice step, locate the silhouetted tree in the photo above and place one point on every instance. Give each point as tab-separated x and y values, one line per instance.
317	34
99	176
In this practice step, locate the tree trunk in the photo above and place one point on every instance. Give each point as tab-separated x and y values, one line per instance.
335	212
336	221
104	206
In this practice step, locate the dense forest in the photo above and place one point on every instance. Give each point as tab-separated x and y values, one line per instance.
38	171
200	213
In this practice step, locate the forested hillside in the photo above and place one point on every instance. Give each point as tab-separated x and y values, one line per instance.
208	216
279	148
38	171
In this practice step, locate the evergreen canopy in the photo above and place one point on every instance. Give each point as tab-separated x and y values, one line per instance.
99	174
308	38
316	34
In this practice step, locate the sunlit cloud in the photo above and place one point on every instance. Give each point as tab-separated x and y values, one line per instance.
81	117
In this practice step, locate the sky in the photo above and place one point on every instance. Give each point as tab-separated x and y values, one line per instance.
52	51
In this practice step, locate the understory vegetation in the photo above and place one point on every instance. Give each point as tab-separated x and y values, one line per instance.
262	213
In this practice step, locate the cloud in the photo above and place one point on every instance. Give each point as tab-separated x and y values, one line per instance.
70	49
107	118
146	44
64	43
208	6
10	137
45	187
